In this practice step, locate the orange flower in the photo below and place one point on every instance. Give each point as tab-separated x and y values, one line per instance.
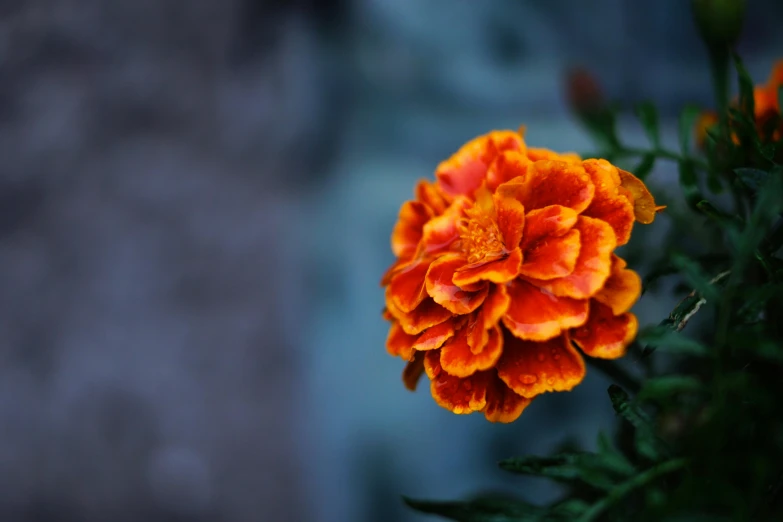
766	107
504	265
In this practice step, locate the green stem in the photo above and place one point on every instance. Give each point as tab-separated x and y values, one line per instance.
660	153
620	491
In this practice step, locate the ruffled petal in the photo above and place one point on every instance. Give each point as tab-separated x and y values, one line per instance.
593	264
551	257
644	207
398	343
537	154
609	204
426	315
507	166
511	220
444	292
537	315
503	405
433	338
605	335
552	183
459	395
413	371
441	232
429	194
392	271
490	313
551	221
530	368
407	288
457	359
622	289
499	270
408	229
464	172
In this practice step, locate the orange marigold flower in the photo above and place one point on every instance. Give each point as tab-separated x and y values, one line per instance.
504	266
766	107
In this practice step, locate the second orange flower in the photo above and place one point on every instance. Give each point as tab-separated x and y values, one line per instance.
506	262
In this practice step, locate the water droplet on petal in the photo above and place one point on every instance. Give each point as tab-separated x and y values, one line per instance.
436	370
528	379
541	357
556	356
551	381
467	385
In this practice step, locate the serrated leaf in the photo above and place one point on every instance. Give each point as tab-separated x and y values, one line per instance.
687	120
643	169
646	443
689	182
486	509
591	468
664	387
671	341
752	178
648	116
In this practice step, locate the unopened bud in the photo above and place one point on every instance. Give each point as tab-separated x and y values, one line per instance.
719	21
583	92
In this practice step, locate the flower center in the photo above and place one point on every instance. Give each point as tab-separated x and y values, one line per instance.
480	237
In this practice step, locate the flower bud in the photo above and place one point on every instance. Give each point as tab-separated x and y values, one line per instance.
719	21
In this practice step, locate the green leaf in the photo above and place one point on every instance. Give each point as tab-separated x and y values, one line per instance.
746	100
752	178
591	468
643	169
689	182
768	206
483	509
664	387
717	215
668	340
647	444
695	276
687	120
648	116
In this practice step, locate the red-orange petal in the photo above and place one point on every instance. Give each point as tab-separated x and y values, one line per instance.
459	395
537	154
605	335
554	220
551	257
537	315
644	207
398	343
593	265
392	270
433	338
413	371
531	368
429	194
507	166
511	220
622	289
609	204
464	172
550	182
444	292
457	359
499	270
490	313
408	229
426	315
440	232
407	288
503	405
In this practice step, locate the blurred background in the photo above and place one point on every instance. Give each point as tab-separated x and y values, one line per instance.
196	199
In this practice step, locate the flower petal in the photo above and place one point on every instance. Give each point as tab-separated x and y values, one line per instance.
554	220
622	289
536	154
550	182
609	204
478	324
464	172
433	338
426	315
503	405
644	207
441	231
499	270
511	220
507	166
413	371
593	265
459	395
444	292
605	335
551	257
537	315
457	359
398	343
407	288
429	194
407	231
530	368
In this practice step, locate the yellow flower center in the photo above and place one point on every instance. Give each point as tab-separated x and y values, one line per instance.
479	233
